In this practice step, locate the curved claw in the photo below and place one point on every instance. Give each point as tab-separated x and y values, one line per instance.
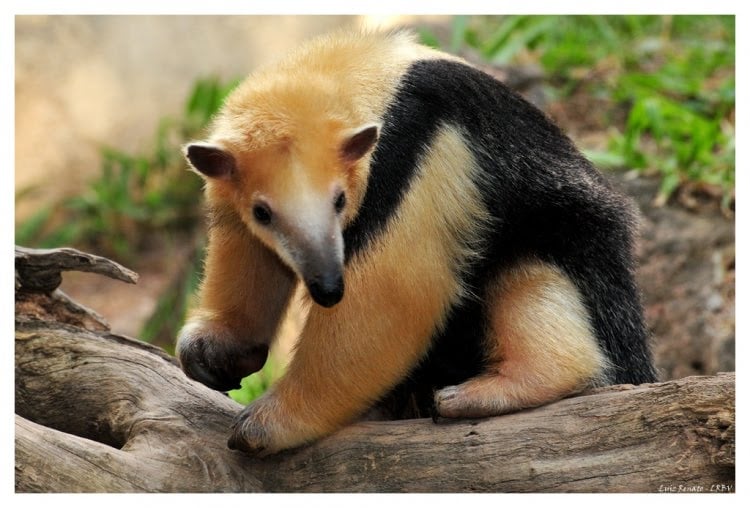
248	435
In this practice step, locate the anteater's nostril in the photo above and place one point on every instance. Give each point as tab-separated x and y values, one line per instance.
326	291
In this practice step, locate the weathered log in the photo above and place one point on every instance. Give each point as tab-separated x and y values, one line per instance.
39	269
102	412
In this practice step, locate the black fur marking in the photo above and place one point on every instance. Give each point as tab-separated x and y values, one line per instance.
546	199
404	137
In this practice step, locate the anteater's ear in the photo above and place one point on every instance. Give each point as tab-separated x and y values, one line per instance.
360	141
210	160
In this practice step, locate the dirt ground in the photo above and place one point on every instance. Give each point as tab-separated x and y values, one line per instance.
686	273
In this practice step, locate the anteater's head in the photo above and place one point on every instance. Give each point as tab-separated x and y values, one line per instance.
294	173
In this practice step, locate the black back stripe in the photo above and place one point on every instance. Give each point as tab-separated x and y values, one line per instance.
545	198
436	92
406	134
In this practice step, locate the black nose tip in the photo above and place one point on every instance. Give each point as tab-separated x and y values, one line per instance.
327	291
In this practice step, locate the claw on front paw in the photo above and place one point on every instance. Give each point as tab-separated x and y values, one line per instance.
252	443
444	400
248	434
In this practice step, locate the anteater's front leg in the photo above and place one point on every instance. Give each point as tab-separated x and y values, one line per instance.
348	356
243	296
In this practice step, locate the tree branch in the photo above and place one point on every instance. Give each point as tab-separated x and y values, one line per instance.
101	412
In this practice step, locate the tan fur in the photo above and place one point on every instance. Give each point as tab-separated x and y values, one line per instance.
301	109
545	348
245	288
396	299
349	76
273	126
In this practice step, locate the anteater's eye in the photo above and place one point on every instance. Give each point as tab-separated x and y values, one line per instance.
262	214
340	202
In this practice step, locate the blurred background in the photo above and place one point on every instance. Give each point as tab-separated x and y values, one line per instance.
103	104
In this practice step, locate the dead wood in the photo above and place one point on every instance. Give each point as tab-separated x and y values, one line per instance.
100	412
39	269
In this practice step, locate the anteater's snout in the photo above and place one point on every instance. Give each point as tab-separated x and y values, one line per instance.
327	289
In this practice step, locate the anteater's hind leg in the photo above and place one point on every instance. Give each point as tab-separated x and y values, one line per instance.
540	346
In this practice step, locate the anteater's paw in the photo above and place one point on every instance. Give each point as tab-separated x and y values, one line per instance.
448	402
248	434
259	429
476	398
210	353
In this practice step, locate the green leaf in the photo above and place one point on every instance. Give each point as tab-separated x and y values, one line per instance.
255	385
605	158
500	37
428	37
459	26
29	230
536	28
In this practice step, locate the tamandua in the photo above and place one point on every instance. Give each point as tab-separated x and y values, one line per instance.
459	254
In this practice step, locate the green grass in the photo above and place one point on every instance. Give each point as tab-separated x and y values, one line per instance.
255	385
673	76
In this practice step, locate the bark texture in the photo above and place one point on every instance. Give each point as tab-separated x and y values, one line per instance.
98	412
